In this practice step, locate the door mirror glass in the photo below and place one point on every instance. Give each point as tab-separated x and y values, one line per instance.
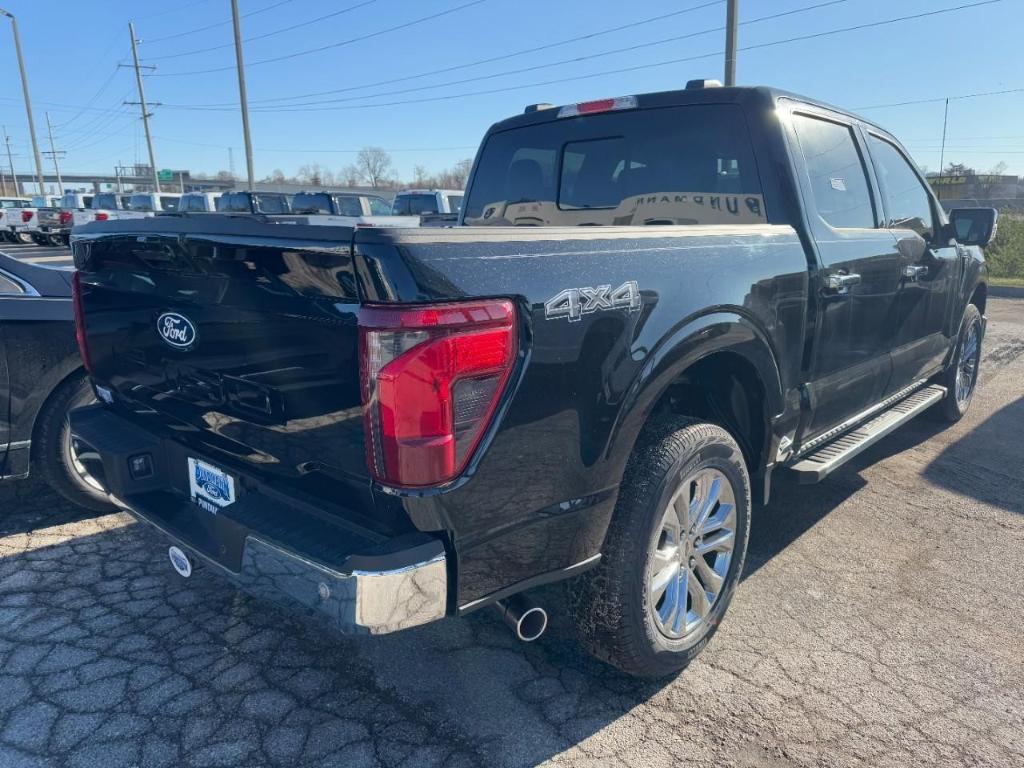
973	226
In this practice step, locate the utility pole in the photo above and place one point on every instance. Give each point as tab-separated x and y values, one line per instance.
732	21
142	104
117	175
53	153
942	153
28	101
10	161
242	97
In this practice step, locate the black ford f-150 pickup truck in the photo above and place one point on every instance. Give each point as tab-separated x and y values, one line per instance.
651	304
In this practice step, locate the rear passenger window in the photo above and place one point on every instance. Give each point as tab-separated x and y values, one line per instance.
836	173
907	204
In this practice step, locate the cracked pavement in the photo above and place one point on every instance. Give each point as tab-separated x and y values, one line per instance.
879	623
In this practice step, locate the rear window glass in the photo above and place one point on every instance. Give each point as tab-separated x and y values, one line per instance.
140	203
455	203
673	165
349	205
414	205
233	202
379	206
273	204
168	203
311	202
105	201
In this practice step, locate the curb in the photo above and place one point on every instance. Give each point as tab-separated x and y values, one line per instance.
1006	291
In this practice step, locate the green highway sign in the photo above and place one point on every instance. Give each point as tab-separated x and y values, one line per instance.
165	174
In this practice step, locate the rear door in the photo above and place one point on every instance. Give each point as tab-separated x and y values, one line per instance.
930	267
858	278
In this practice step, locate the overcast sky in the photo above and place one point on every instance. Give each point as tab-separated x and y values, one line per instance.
377	55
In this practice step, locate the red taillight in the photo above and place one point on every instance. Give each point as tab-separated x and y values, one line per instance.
432	377
101	216
83	344
26	216
65	217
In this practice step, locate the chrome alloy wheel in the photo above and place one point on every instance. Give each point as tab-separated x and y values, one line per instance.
691	555
967	367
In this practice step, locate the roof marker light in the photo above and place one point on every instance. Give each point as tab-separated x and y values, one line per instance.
601	105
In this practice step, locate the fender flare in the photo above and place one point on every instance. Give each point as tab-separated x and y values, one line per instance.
724	330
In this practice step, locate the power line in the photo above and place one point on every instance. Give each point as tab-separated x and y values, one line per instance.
574	60
478	62
265	35
943	98
309	51
621	70
215	25
324	151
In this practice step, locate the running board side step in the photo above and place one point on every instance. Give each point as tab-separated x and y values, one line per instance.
819	464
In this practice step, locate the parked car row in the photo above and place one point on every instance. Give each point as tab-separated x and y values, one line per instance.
50	219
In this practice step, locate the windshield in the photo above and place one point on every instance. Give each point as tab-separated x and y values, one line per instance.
415	204
672	165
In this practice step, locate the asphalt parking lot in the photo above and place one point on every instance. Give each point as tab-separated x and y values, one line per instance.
57	257
880	623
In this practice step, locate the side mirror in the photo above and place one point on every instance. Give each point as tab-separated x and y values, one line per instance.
973	226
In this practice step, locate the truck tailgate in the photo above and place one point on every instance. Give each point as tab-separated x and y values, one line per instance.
243	342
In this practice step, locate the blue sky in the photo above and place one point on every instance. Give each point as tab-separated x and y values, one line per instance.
72	49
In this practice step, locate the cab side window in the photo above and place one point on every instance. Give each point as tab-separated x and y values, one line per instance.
835	171
907	204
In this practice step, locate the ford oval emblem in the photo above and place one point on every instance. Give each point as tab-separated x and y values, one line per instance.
177	330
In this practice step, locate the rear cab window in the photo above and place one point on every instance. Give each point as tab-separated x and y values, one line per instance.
379	206
312	203
272	204
689	164
168	203
415	204
140	202
105	201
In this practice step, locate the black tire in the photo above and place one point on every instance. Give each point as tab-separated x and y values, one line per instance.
38	239
55	241
52	455
612	606
953	407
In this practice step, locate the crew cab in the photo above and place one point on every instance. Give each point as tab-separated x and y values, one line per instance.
345	209
254	202
652	305
198	202
25	224
103	207
10	212
414	202
143	205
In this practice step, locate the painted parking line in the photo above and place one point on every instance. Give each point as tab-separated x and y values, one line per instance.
47	259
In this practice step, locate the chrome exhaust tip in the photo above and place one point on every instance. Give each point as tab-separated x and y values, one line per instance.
527	620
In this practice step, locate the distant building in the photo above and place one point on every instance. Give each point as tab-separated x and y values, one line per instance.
979	187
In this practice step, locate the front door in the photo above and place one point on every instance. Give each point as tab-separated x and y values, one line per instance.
858	276
930	266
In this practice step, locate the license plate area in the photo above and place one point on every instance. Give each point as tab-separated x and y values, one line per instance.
210	487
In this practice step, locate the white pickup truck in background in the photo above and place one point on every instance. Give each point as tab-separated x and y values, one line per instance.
198	202
344	209
104	207
26	226
142	205
10	211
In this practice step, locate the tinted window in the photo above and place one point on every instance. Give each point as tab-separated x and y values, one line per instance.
311	202
86	201
455	203
141	202
9	286
68	201
272	204
349	205
233	202
414	205
104	201
906	201
168	203
836	173
676	165
379	206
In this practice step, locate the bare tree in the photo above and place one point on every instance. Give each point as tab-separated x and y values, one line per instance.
420	177
374	166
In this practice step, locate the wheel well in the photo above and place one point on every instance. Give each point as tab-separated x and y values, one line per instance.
77	373
979	296
724	389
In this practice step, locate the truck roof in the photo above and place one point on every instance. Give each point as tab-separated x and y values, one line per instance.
765	96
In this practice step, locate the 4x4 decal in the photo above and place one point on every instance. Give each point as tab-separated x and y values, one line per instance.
574	303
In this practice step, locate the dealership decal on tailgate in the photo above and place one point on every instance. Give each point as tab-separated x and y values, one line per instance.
211	488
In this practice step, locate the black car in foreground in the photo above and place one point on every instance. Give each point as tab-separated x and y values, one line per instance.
41	379
652	304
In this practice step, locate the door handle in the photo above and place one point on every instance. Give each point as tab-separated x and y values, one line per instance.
914	272
841	283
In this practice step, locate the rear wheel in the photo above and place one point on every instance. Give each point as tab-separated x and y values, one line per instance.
23	238
961	377
63	461
673	553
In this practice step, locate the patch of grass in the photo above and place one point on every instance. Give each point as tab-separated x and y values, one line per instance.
1013	282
